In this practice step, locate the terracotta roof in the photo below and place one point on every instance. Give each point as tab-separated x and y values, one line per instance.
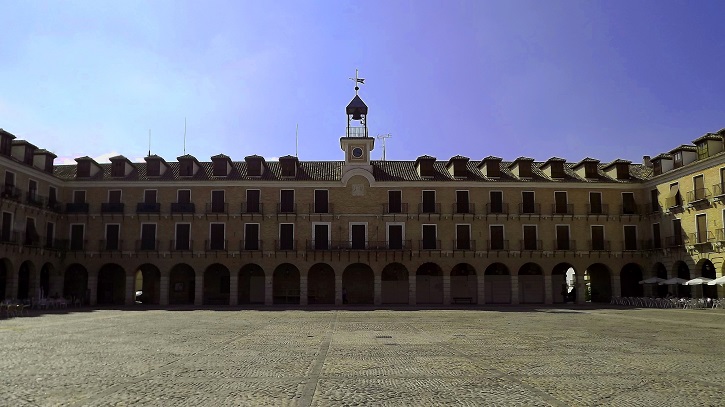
707	136
684	147
6	133
220	156
663	156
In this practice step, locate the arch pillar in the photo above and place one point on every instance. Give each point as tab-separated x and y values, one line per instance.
93	287
130	288
11	290
338	288
548	294
515	289
269	288
616	285
164	287
481	287
411	289
377	288
446	288
199	287
580	288
304	288
233	287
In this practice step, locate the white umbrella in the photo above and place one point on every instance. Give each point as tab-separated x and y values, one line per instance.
652	280
697	281
674	281
720	280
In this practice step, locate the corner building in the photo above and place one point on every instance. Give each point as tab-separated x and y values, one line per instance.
358	231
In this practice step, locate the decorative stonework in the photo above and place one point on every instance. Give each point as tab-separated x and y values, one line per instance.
358	190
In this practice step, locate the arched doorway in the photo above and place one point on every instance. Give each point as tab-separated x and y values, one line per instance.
24	276
629	278
45	273
497	281
75	284
251	284
429	284
216	285
708	270
111	285
563	283
4	277
598	283
182	284
683	272
464	284
358	284
531	284
321	284
148	284
394	284
660	271
286	284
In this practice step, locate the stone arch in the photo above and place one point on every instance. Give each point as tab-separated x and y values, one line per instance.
251	284
563	283
598	282
75	283
5	278
464	284
358	284
497	280
629	278
216	285
26	273
429	284
394	283
148	283
111	285
182	284
659	270
707	269
286	284
531	284
44	284
321	284
681	270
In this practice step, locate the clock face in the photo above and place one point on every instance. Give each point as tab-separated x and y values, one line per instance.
357	152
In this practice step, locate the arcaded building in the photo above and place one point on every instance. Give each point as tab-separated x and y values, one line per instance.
358	231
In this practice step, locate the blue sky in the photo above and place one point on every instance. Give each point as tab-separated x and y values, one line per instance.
614	79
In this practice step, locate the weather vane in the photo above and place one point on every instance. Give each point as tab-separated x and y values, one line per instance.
357	80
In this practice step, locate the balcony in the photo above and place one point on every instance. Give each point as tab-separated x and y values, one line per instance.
31	240
181	245
704	238
429	244
11	192
286	208
183	207
217	207
464	208
700	195
674	202
629	209
251	245
216	245
285	244
676	240
112	245
531	208
429	207
599	245
143	207
564	244
530	245
55	244
718	190
320	208
32	198
76	207
466	244
630	245
252	207
493	245
497	208
147	245
112	207
720	235
390	208
601	209
562	209
77	245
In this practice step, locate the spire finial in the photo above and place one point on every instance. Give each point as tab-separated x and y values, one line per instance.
357	80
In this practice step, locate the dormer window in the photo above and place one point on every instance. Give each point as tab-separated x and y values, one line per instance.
590	170
254	166
491	167
622	171
118	168
657	167
153	168
424	165
220	168
457	166
678	159
83	169
49	158
702	151
6	142
289	166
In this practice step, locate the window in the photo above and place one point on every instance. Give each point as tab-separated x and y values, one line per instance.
462	203
395	235
629	207
79	197
31	234
50	235
149	196
182	237
562	238
557	169
429	202
118	168
220	168
286	236
655	198
702	151
699	192
216	236
83	169
590	170
701	221
678	159
321	201
287	201
528	204
148	236
358	236
525	169
52	195
677	232
560	203
253	204
77	234
153	168
496	204
463	237
430	237
656	238
7	227
497	241
395	202
32	191
113	235
597	237
630	237
183	196
595	203
674	199
114	196
321	236
657	167
186	168
251	236
530	241
217	202
9	179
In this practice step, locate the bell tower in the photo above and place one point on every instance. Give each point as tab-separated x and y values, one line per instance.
356	144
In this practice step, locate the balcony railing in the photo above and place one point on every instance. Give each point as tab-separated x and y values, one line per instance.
697	195
720	235
697	238
251	244
11	192
630	245
285	244
74	207
252	207
217	207
144	207
106	245
429	207
112	207
427	244
31	240
530	245
32	198
497	208
562	209
601	209
628	209
319	208
676	241
564	244
216	245
183	207
466	244
147	245
497	245
530	208
599	245
464	208
77	245
389	208
181	245
718	189
673	202
286	208
54	206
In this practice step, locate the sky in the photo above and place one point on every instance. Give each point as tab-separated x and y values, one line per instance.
544	78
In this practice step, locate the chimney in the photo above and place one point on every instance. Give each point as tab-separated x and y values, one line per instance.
647	161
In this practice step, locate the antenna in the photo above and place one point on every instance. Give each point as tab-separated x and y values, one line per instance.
149	142
297	130
184	135
384	137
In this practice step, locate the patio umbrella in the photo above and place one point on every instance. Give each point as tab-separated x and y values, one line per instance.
720	280
652	280
674	281
697	281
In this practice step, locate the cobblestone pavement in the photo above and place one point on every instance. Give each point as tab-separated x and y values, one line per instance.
356	357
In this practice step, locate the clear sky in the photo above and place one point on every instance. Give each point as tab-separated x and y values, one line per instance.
610	79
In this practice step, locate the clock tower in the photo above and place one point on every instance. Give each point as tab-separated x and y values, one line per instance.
356	144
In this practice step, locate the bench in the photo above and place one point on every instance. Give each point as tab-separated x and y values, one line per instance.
461	300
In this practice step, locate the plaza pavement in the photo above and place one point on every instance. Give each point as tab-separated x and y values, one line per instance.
518	356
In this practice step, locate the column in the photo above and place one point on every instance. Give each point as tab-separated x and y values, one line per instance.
481	289
581	288
377	288
446	288
338	289
11	291
515	289
411	289
548	293
268	288
233	288
164	289
304	290
92	288
130	289
616	285
199	288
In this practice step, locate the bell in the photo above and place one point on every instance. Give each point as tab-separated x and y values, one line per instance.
356	115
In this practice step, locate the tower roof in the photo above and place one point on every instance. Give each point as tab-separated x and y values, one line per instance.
357	106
